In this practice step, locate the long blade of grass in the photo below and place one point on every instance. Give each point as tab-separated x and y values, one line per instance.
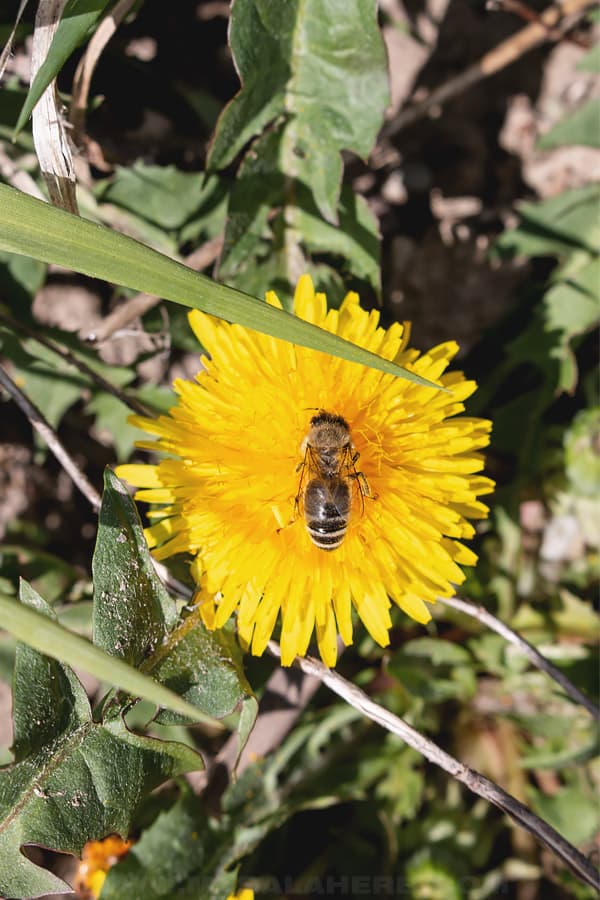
53	640
32	228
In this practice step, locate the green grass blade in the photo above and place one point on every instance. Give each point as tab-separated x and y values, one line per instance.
32	228
53	640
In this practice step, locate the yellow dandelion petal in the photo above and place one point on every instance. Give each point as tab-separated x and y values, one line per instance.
414	607
391	497
248	606
291	630
464	556
327	637
96	882
265	622
244	894
227	606
303	295
208	609
155	495
152	426
140	475
342	604
203	326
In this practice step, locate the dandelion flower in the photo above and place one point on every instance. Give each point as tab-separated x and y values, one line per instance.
236	445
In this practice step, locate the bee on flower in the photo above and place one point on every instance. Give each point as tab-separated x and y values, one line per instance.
310	490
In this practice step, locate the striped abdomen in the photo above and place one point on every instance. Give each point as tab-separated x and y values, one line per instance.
327	511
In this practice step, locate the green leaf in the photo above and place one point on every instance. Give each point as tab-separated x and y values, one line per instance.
126	222
437	651
591	61
132	609
7	657
570	309
193	867
575	616
582	460
33	228
249	236
161	194
22	276
402	782
434	669
559	758
50	575
573	811
77	20
257	239
319	66
135	618
205	668
50	383
111	416
73	779
355	239
558	226
50	638
247	720
427	878
581	127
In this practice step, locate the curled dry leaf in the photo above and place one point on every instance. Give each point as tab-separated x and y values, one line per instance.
49	132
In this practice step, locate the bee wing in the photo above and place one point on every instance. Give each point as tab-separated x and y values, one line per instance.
359	482
306	466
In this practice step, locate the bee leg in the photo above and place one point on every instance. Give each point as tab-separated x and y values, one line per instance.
287	524
294	516
365	488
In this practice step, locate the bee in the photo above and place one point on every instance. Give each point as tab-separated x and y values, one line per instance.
330	464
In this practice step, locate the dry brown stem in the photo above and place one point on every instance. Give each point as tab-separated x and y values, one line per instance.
539	661
88	63
548	26
48	434
475	781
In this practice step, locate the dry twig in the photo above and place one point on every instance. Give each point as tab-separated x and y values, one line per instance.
476	782
87	65
539	661
79	364
545	28
7	49
46	431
